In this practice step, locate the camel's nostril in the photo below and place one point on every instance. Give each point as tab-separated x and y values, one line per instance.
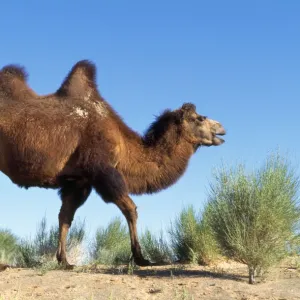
221	131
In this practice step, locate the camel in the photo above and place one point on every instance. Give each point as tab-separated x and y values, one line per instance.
73	141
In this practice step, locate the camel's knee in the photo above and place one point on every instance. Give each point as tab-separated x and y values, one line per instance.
130	212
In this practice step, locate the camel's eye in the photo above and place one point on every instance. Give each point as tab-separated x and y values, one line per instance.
201	118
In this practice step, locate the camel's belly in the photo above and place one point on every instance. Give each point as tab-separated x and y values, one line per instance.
28	173
27	166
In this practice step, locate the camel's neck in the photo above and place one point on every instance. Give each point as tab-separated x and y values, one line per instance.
149	168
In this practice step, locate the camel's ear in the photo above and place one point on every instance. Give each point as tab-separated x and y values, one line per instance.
80	82
188	107
186	110
15	71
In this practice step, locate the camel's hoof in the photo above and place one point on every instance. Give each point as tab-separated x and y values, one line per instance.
3	267
69	267
66	266
140	261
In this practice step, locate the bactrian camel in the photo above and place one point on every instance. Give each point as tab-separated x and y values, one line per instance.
73	141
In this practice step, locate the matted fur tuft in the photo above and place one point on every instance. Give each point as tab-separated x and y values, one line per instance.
15	71
159	127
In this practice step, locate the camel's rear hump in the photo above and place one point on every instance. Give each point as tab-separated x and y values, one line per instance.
15	71
13	84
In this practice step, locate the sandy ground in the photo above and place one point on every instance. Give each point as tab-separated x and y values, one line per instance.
226	280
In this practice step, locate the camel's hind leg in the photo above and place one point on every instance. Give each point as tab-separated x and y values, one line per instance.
111	186
73	195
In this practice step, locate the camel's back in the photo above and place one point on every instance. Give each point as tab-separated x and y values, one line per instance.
39	136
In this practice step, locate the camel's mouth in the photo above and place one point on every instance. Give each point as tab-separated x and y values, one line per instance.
217	140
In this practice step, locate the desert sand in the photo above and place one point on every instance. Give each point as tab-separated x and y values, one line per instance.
226	280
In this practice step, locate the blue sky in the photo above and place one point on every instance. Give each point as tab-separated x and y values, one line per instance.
238	61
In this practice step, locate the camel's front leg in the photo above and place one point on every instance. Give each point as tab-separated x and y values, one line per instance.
128	209
110	185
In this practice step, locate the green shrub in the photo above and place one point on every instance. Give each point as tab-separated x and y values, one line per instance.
42	249
29	256
8	247
111	245
156	249
208	248
192	239
254	216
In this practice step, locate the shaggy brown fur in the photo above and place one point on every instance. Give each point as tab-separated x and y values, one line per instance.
74	141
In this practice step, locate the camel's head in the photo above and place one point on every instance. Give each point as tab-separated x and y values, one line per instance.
199	130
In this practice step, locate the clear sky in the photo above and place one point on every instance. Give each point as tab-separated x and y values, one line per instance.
238	61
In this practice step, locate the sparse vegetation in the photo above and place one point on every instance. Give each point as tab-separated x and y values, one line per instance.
254	216
112	244
8	247
42	249
192	239
156	249
183	295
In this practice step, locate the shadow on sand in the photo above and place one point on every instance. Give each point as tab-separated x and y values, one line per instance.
164	271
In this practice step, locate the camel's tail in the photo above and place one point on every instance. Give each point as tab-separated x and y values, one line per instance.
80	82
13	83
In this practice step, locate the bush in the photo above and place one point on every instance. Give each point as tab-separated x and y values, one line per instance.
29	257
208	248
254	216
155	249
8	247
44	245
192	239
112	244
